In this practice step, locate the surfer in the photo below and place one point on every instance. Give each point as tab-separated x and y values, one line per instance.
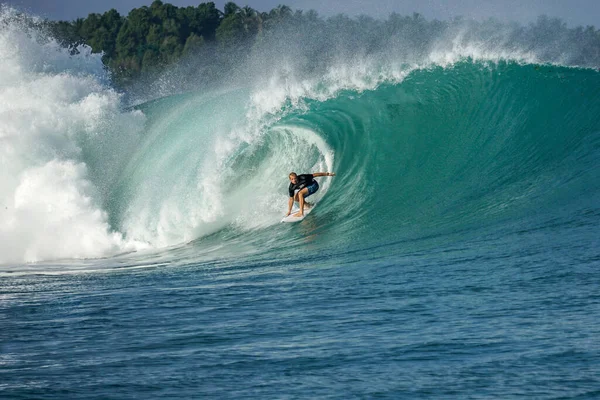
302	186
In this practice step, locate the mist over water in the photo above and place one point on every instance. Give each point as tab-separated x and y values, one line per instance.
426	123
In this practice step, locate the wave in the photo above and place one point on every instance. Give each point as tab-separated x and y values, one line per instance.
62	138
464	138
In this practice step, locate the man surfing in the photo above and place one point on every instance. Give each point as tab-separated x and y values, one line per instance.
302	186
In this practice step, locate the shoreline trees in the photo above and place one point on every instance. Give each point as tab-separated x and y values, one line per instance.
153	37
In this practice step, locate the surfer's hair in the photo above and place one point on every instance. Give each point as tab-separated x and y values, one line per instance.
293	174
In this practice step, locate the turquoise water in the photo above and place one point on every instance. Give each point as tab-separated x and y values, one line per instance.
454	255
448	151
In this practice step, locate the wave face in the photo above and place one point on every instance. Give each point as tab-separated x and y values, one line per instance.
453	145
445	150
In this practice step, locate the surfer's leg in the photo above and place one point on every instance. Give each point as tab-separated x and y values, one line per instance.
310	191
306	203
301	195
297	197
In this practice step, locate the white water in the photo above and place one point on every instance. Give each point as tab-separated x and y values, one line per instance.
50	102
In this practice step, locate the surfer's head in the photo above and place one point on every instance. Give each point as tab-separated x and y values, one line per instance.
293	177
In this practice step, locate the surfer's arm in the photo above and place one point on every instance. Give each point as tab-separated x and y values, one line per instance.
323	174
290	205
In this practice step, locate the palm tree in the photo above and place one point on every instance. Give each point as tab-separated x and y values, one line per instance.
281	11
231	8
251	20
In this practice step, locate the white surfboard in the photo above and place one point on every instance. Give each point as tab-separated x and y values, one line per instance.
291	218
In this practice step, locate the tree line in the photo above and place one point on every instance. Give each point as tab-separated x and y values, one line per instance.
152	37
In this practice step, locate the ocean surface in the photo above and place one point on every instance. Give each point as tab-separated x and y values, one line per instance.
456	254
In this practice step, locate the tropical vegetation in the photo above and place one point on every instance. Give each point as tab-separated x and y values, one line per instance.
153	37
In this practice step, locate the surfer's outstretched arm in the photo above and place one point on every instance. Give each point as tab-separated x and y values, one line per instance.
324	174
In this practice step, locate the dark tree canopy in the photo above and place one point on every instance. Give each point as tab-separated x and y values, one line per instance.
148	38
152	37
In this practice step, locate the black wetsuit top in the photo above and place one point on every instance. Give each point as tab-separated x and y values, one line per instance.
304	180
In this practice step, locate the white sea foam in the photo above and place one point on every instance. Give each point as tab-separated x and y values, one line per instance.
50	103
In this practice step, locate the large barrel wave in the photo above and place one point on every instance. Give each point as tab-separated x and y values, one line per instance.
428	150
445	150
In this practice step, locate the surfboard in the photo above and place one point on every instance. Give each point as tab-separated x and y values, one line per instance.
291	218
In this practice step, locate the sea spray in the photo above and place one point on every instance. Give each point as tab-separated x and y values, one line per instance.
53	103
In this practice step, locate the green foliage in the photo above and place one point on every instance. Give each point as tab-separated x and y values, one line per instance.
231	31
151	37
193	44
231	8
148	38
